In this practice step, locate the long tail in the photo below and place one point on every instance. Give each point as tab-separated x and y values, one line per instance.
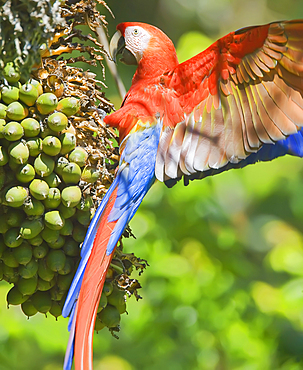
133	180
90	276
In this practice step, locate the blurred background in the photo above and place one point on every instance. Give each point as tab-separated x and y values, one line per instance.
224	290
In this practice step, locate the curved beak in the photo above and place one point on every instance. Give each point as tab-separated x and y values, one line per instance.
117	45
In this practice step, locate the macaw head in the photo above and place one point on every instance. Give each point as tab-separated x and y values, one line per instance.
143	45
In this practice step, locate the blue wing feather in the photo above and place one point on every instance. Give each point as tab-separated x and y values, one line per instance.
134	178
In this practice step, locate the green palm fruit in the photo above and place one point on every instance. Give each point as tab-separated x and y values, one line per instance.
28	94
56	260
53	180
61	163
53	198
14	297
71	196
37	85
71	173
10	73
79	232
44	164
16	111
31	127
69	106
44	272
68	142
3	110
12	238
58	244
44	285
71	248
83	217
57	121
9	259
10	274
23	254
49	235
40	251
25	173
29	270
51	145
56	309
56	295
34	145
9	94
39	189
79	155
46	103
108	288
110	316
64	282
67	229
4	227
14	217
18	152
99	325
42	301
31	228
33	207
66	212
12	131
4	157
28	308
90	174
2	246
36	240
2	124
102	302
15	196
27	286
68	266
117	297
121	307
54	220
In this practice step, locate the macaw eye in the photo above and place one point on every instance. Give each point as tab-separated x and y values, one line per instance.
135	32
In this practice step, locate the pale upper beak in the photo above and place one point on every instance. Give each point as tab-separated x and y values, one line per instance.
117	46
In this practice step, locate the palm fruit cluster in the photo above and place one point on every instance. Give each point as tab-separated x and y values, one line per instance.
57	160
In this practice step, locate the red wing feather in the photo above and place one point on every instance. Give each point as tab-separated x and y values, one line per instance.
255	77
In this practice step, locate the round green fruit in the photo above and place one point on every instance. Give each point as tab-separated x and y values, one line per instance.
15	196
16	111
28	94
31	127
57	121
12	131
18	152
69	106
25	173
51	145
39	189
46	103
53	220
44	164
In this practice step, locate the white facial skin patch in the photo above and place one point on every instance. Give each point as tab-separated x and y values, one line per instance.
136	41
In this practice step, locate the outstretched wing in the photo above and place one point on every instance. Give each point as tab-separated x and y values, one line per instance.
244	91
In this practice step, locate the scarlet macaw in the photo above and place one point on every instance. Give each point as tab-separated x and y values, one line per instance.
238	102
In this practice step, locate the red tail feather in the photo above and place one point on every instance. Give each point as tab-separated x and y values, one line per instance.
91	290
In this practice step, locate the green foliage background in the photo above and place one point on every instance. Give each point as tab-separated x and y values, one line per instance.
224	290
